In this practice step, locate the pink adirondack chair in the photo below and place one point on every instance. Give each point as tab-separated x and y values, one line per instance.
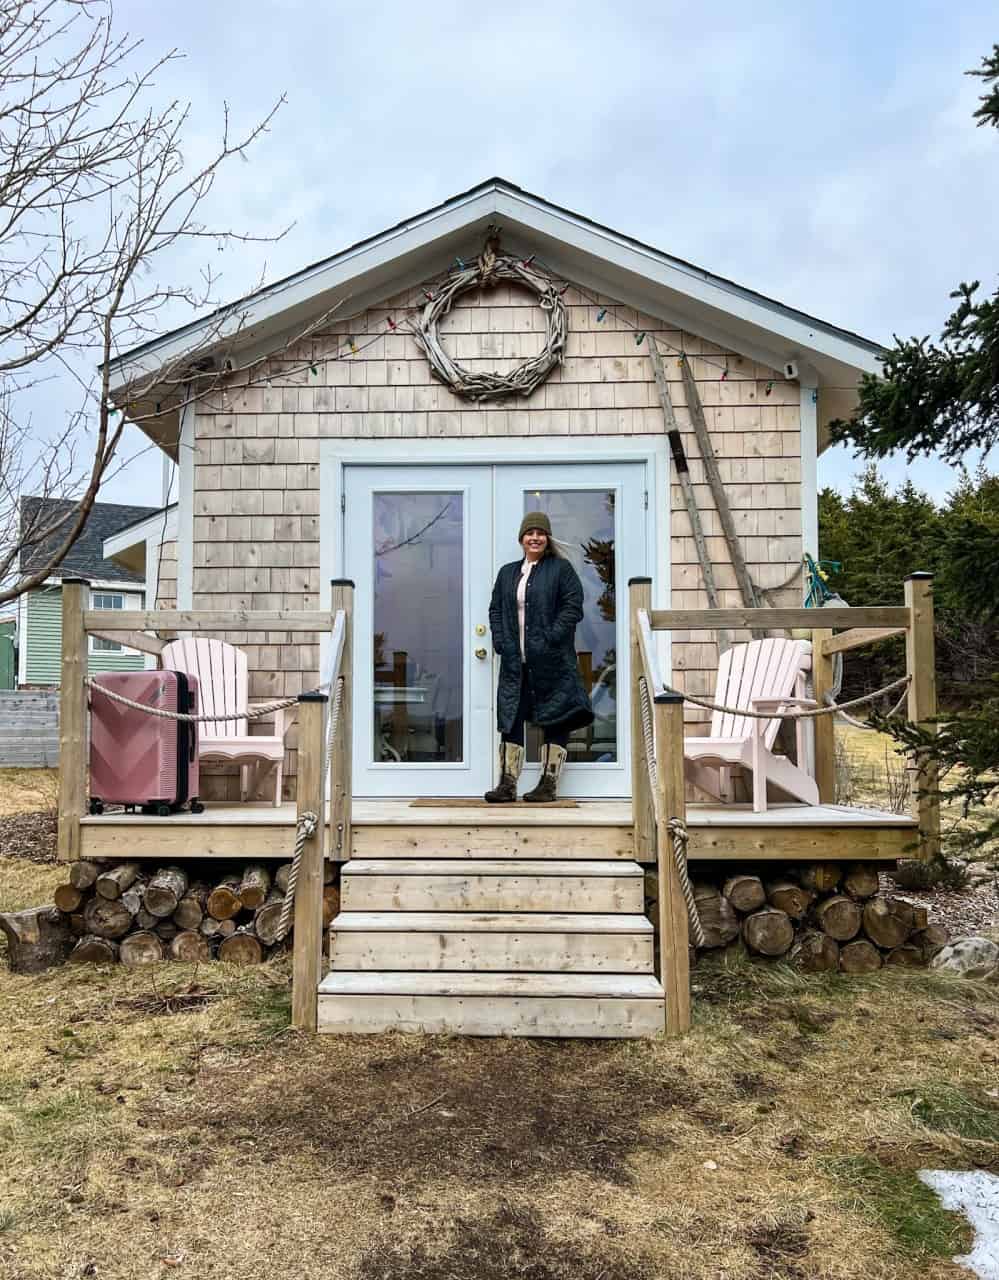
764	675
223	688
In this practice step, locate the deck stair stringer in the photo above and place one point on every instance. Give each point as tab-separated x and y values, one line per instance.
551	946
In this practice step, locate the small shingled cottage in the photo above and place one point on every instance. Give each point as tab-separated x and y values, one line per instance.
389	413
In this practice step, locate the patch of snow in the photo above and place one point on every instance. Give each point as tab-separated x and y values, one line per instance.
976	1195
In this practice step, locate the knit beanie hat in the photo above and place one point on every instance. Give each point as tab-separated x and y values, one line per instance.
535	520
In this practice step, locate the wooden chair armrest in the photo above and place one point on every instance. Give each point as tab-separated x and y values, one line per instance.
280	728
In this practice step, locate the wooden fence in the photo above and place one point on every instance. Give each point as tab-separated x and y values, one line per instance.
653	808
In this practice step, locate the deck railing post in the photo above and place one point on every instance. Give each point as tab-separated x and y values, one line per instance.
824	726
72	718
920	664
639	597
308	935
342	784
674	946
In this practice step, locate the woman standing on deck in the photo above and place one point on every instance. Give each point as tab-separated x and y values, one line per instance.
536	604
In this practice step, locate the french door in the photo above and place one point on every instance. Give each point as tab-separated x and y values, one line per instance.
423	545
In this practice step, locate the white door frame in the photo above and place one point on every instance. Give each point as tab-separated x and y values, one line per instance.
473	773
335	455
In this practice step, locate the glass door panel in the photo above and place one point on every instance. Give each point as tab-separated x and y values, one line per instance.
583	521
417	543
597	513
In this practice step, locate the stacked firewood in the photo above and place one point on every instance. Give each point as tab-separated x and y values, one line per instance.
820	916
139	914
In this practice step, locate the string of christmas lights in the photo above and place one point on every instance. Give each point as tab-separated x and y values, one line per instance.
352	348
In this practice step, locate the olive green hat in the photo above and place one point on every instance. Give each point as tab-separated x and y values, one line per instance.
535	520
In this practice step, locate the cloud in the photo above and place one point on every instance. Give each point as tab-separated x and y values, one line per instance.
826	157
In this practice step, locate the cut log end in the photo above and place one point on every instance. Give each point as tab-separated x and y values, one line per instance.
745	892
861	880
859	957
839	917
37	939
241	948
93	950
140	949
768	932
164	891
815	952
190	948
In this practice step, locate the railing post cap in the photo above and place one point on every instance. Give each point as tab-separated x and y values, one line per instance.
639	582
342	582
314	696
75	580
919	576
668	698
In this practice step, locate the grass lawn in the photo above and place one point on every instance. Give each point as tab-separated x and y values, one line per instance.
167	1123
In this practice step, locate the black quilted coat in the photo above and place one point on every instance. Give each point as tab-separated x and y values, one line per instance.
553	604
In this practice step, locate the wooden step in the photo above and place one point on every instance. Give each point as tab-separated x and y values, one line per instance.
491	885
490	1004
543	942
494	836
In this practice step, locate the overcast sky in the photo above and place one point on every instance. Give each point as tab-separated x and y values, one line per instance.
824	155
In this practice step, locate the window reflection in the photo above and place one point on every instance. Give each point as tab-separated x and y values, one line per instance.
583	523
418	627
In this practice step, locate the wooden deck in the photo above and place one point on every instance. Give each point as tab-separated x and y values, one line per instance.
386	828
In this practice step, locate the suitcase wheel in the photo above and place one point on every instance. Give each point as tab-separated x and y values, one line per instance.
96	806
197	806
162	811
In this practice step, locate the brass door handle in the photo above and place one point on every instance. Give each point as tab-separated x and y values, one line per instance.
480	653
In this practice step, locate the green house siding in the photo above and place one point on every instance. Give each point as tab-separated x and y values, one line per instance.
8	666
43	642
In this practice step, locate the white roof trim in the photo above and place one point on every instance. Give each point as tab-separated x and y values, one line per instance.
141	531
382	259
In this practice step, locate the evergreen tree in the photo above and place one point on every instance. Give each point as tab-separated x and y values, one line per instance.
944	398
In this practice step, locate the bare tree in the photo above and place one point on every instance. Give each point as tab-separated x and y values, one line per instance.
94	194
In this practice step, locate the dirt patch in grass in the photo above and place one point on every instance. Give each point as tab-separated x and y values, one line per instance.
508	1242
216	1142
30	836
487	1111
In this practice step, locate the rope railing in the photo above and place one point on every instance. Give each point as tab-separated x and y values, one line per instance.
248	713
308	821
677	828
800	713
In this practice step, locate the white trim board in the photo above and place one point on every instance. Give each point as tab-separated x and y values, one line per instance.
335	455
185	509
418	247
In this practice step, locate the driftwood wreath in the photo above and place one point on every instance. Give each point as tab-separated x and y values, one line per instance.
490	268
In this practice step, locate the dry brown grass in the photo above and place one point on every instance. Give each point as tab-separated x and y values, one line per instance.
28	790
212	1142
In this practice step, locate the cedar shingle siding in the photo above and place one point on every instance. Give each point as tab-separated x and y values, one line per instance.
256	474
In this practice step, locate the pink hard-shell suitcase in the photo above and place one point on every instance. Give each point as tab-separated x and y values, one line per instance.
140	760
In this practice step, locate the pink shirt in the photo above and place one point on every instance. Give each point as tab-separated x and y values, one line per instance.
525	573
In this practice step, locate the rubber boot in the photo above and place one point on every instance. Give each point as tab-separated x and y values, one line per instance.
511	761
552	759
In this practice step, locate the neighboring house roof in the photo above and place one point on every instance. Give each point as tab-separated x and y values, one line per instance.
86	557
574	247
161	526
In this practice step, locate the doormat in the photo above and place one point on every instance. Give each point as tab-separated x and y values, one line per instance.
456	802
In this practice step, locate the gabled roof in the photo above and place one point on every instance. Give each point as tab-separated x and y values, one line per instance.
573	246
86	557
